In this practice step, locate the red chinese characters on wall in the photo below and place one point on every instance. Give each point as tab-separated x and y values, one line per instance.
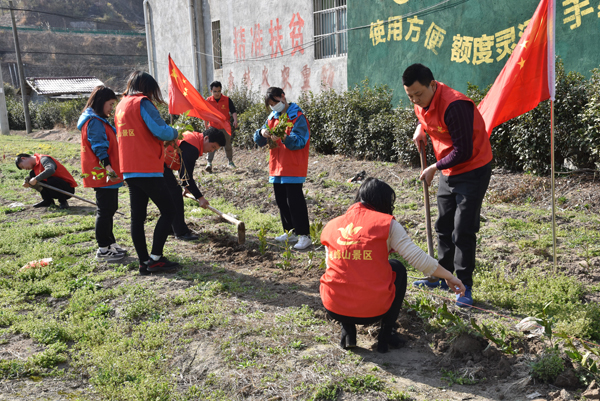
305	78
257	38
265	79
239	43
276	37
246	80
285	78
296	34
327	75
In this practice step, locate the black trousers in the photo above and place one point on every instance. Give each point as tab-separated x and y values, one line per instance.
175	191
50	195
141	190
107	201
459	202
391	315
292	208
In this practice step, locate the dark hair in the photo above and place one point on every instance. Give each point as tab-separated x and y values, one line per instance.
271	93
376	194
20	158
216	84
417	72
100	95
215	135
142	82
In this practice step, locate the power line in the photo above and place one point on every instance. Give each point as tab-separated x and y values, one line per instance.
98	20
78	54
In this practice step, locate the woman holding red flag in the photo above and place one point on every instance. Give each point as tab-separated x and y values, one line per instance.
288	165
100	168
141	133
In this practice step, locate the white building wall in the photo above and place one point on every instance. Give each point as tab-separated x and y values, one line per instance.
248	54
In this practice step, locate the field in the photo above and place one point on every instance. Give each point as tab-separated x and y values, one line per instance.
245	321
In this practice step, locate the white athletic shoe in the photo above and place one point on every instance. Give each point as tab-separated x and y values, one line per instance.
109	256
117	249
284	237
304	242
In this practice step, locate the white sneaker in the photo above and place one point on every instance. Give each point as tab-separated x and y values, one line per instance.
284	237
109	256
304	242
117	249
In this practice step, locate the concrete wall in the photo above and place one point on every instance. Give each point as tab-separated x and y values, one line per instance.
247	55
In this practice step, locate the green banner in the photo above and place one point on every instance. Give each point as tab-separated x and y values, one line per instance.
460	40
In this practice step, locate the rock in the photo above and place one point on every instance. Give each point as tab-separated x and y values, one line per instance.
567	379
592	392
562	395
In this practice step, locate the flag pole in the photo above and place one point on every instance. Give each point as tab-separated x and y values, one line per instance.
553	188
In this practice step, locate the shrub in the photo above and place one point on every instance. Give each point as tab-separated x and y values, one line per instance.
243	98
45	115
590	116
16	116
249	121
71	110
547	366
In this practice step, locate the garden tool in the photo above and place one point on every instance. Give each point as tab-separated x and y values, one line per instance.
41	184
241	227
423	155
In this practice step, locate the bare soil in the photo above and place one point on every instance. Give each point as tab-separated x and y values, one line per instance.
416	366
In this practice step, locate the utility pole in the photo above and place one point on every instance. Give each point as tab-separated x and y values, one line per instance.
20	67
4	129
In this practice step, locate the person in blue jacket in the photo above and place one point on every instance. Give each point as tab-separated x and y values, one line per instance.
100	168
288	165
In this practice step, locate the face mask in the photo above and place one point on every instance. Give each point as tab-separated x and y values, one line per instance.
279	107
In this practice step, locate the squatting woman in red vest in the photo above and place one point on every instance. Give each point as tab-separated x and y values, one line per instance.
141	134
288	164
360	284
100	168
50	171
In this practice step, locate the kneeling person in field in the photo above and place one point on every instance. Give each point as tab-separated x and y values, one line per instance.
47	169
192	146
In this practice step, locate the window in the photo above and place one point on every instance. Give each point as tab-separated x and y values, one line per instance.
331	28
216	41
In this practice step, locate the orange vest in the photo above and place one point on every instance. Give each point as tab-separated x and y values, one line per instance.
432	121
359	280
288	163
139	150
172	159
94	175
222	106
61	172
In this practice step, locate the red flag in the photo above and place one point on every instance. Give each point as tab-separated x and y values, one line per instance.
528	76
184	97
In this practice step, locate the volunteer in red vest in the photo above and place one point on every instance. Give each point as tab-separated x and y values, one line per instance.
226	107
141	134
288	165
47	169
193	145
360	284
100	168
463	152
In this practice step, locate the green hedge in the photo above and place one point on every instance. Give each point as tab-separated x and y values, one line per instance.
361	122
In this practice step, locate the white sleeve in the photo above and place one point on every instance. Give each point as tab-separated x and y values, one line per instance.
400	242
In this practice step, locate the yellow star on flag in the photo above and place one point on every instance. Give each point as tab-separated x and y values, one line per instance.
440	129
183	79
185	92
524	44
174	74
521	63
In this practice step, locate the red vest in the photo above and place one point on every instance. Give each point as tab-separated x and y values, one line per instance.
139	150
61	172
359	280
288	163
433	123
172	159
222	106
94	175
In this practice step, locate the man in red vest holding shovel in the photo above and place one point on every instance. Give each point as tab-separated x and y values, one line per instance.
463	152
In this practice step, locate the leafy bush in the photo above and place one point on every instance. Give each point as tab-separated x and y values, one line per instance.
547	366
71	110
16	116
243	98
249	121
45	115
590	116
